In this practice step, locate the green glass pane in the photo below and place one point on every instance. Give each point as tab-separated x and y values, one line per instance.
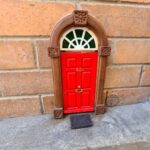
92	44
74	42
87	36
71	46
79	41
79	32
83	42
85	46
70	36
65	44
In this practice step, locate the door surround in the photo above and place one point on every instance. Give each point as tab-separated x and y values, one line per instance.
79	18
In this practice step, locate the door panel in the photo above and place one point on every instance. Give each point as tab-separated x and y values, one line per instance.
71	78
71	62
85	98
86	62
78	81
71	99
86	79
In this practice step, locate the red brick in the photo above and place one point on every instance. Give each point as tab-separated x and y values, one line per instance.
145	76
122	76
30	18
16	55
44	60
13	107
23	83
131	96
48	103
121	21
132	51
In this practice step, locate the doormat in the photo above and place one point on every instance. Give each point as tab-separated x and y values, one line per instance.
81	121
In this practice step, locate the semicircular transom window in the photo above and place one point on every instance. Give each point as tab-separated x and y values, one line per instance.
78	39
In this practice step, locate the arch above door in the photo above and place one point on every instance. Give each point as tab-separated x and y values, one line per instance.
78	19
78	39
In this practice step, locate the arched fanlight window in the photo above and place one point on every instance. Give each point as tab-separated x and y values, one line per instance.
78	39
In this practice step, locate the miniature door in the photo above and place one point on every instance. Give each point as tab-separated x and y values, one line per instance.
78	50
78	68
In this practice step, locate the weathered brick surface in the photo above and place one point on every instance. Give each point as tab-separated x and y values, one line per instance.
124	21
44	60
146	76
132	51
34	18
16	55
30	18
48	103
22	83
132	95
122	76
19	107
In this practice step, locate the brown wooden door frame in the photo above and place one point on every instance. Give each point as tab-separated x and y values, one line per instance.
79	18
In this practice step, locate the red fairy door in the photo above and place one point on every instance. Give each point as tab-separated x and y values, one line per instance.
78	81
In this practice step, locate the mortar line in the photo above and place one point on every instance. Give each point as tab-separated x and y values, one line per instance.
42	105
60	1
36	56
26	96
106	1
127	88
15	38
19	97
124	65
140	78
78	5
50	94
113	50
116	3
128	38
24	37
25	70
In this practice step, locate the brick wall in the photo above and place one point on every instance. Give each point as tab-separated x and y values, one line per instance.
26	86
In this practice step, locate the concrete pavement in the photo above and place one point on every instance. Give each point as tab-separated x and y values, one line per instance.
121	128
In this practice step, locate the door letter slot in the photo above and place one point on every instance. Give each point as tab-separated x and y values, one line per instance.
79	69
79	90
